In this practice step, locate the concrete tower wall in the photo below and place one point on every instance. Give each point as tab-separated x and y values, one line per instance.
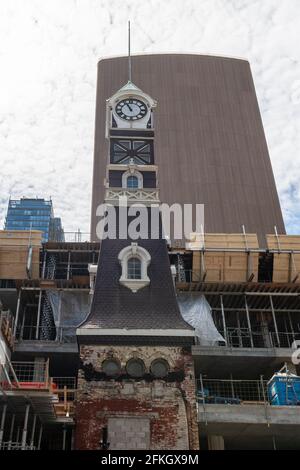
210	145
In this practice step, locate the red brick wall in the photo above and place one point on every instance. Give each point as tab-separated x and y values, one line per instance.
170	405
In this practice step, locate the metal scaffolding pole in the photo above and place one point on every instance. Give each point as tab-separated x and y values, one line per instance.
18	434
274	320
64	438
33	432
248	322
24	433
44	264
223	320
17	312
69	265
38	316
11	432
40	437
2	423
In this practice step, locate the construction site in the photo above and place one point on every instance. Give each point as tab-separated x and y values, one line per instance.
159	343
248	333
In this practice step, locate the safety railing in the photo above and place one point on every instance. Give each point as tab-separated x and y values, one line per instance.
63	272
47	333
65	390
25	375
34	374
16	446
231	392
77	237
245	338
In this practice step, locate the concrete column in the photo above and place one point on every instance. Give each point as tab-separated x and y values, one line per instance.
11	433
2	423
24	433
215	443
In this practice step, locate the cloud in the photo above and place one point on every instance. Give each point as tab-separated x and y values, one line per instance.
49	53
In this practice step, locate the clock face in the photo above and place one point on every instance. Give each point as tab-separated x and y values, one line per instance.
131	109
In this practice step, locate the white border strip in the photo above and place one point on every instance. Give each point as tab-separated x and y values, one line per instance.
124	332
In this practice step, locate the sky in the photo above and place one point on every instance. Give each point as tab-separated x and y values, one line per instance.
49	51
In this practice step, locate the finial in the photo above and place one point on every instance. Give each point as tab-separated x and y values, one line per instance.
129	56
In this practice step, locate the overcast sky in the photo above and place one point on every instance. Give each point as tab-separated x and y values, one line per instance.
48	56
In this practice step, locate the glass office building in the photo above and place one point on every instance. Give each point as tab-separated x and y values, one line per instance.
35	214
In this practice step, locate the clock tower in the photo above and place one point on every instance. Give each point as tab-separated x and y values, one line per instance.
136	384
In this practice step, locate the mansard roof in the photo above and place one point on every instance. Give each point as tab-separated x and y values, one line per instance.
153	307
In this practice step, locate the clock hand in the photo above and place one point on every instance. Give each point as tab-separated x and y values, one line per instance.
129	107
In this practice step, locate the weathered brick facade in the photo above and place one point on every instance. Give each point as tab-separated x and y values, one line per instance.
166	407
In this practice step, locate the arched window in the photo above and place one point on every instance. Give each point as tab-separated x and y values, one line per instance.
134	268
132	179
134	262
132	182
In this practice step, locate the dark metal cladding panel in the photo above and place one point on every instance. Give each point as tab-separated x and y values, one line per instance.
209	139
149	179
115	178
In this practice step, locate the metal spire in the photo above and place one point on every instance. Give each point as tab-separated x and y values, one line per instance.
129	56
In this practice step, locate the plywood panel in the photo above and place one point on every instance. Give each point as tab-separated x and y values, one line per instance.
227	266
14	253
286	267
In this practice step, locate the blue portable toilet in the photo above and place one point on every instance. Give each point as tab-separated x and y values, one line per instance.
284	389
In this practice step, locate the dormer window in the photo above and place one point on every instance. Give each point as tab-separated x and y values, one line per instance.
132	179
134	262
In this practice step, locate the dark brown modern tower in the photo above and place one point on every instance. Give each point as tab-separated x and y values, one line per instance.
210	143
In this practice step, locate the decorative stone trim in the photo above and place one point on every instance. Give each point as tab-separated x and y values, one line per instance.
113	195
138	252
132	172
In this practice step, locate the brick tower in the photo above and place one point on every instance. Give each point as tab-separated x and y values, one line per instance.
136	378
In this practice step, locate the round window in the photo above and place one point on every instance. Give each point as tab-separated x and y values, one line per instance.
111	367
160	368
135	367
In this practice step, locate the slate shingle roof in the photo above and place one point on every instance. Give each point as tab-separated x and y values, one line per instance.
115	306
